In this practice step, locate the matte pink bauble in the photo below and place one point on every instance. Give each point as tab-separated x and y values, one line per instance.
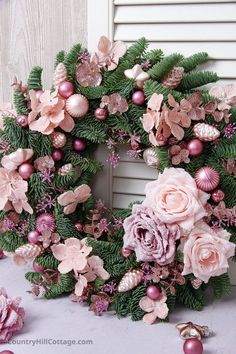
22	120
138	98
207	178
1	253
26	170
218	195
153	292
193	346
100	113
57	155
39	94
45	222
77	105
6	352
125	252
79	144
66	89
33	236
37	268
195	147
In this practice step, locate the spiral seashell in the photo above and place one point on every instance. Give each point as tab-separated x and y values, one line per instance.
150	158
60	74
29	251
130	280
206	132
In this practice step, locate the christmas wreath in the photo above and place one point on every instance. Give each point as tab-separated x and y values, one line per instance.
170	247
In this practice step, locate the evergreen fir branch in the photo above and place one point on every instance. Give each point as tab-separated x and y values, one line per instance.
10	241
37	188
225	151
33	277
151	87
47	261
41	144
221	285
91	129
64	226
193	61
171	300
233	114
135	310
135	51
153	56
34	79
13	133
195	164
190	297
20	102
60	57
71	60
197	79
86	164
65	181
119	122
116	265
91	93
163	156
120	304
66	284
160	69
123	214
124	87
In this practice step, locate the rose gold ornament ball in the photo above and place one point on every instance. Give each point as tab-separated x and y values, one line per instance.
58	140
77	105
217	196
195	147
193	346
125	252
22	120
26	170
100	113
207	178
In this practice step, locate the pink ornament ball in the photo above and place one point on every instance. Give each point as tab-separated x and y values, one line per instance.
218	195
57	154
39	94
66	89
33	236
207	178
193	346
77	105
125	252
6	352
195	147
138	98
79	144
1	254
22	120
153	292
26	170
45	222
37	268
100	113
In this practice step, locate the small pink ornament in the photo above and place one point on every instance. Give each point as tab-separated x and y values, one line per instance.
6	352
125	252
22	120
195	147
193	346
153	292
45	222
1	253
57	155
79	144
58	140
100	113
66	89
207	178
39	94
217	196
33	236
26	170
37	268
77	105
79	227
138	98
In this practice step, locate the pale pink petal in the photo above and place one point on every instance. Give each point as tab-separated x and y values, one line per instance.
147	304
148	122
79	263
104	45
149	318
59	251
65	266
69	209
72	241
153	139
80	285
154	103
68	123
177	131
90	276
66	198
82	193
16	158
40	124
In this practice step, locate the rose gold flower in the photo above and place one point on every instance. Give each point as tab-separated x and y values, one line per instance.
226	94
88	74
70	199
155	308
115	103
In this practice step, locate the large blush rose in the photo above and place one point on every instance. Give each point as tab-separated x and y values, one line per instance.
176	199
151	239
206	252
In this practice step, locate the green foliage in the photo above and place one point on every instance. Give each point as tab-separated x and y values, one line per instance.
91	93
153	56
71	60
193	61
13	133
151	87
65	227
20	102
197	79
34	80
60	57
65	181
164	66
66	284
190	297
41	144
91	129
47	261
136	50
33	277
86	164
162	154
10	241
221	285
37	188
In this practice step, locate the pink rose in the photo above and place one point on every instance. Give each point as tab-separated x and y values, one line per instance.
176	199
206	252
11	316
151	239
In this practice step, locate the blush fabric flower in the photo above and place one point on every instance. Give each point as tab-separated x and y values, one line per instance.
12	161
137	74
71	199
115	103
151	239
72	255
95	269
225	94
176	199
88	74
80	285
11	316
156	309
197	111
44	163
206	252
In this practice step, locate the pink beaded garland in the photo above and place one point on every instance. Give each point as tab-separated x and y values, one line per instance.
33	236
207	178
195	147
153	292
193	346
138	98
26	170
66	89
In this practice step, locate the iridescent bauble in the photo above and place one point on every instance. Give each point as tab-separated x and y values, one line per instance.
138	98
66	89
45	222
100	113
58	140
207	178
150	158
193	346
1	253
57	155
26	170
195	147
217	196
79	144
153	292
37	268
38	94
125	252
77	105
33	236
22	120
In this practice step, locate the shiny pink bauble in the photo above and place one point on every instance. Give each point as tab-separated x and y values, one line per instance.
125	252
138	98
79	144
39	94
100	113
193	346
66	89
79	227
37	268
1	253
77	105
207	178
195	147
22	120
218	195
33	236
6	352
26	170
45	222
57	154
153	292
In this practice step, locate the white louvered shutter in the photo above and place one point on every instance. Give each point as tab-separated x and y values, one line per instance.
179	26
